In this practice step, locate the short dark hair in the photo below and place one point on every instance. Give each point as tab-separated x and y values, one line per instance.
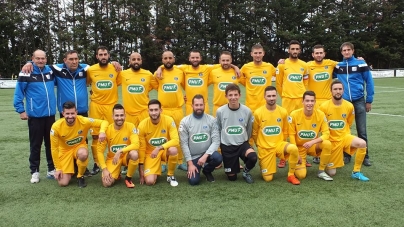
225	52
69	52
117	107
336	81
232	87
198	96
101	48
309	93
195	51
270	88
292	42
69	105
154	101
256	46
318	46
350	45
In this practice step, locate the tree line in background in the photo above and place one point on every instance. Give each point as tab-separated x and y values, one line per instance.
376	27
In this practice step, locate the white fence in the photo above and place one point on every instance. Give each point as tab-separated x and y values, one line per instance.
382	73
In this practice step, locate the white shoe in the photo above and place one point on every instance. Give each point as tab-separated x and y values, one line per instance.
324	176
173	182
35	178
51	174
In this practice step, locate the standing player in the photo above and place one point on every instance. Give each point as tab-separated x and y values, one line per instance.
220	78
159	140
291	82
270	131
38	90
256	76
340	114
235	126
199	138
104	82
305	126
68	143
355	75
123	146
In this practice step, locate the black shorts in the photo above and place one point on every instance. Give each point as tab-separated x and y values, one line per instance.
231	155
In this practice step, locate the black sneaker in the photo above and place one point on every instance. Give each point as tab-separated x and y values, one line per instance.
87	173
81	182
209	176
366	162
347	160
95	170
316	160
248	178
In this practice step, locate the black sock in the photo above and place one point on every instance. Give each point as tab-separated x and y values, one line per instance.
128	178
250	162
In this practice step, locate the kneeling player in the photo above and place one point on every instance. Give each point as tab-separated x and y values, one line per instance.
270	130
159	139
123	143
305	125
340	115
68	142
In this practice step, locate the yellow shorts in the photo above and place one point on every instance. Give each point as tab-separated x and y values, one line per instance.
176	114
137	118
103	112
66	159
303	152
337	151
267	158
115	170
152	166
319	102
292	104
189	109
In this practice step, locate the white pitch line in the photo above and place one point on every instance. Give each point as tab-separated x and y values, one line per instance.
377	92
390	115
389	87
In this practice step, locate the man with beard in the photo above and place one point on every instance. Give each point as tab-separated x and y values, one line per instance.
199	139
270	131
256	75
159	140
104	82
136	84
305	126
220	78
170	94
123	146
235	122
68	143
340	115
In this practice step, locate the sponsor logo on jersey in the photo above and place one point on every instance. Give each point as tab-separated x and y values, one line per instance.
91	119
80	74
295	77
240	119
52	132
289	119
222	86
74	141
170	87
135	89
195	82
321	76
47	76
234	130
117	147
157	141
307	134
302	69
104	84
258	81
336	124
271	130
200	137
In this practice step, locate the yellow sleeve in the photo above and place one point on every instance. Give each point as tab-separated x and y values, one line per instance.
54	138
351	116
242	78
210	81
134	142
142	146
101	124
291	130
285	126
279	78
119	79
174	138
154	84
325	131
306	76
255	127
100	154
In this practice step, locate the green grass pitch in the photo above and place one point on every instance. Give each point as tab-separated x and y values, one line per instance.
342	202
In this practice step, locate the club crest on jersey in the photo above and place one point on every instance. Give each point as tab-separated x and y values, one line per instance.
48	76
205	127
313	125
79	132
343	115
80	74
125	139
142	79
240	119
200	74
278	120
264	72
326	67
111	75
175	78
233	77
163	131
301	69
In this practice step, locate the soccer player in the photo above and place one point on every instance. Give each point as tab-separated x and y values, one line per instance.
270	131
38	90
220	78
136	84
340	114
256	76
305	126
159	140
355	75
68	143
123	146
235	126
199	139
104	80
170	95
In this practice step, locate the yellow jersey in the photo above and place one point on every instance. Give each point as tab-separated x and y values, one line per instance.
292	78
104	84
320	77
220	78
170	88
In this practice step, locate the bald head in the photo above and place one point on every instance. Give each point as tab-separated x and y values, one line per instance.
135	61
168	59
39	58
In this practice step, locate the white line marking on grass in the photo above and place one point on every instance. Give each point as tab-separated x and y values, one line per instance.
390	115
377	92
399	88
